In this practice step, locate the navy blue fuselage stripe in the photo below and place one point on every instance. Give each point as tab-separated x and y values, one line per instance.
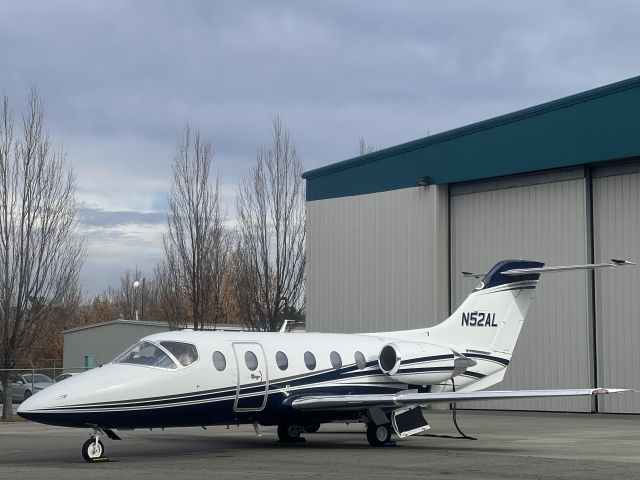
431	358
426	370
350	371
491	358
312	390
427	359
231	391
212	413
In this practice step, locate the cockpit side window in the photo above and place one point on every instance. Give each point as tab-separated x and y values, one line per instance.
146	353
184	352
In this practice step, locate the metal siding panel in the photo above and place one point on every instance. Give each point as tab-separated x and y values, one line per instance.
616	204
104	342
375	261
544	222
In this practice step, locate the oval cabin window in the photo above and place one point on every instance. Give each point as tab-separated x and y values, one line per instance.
219	361
251	360
282	361
310	360
336	360
361	362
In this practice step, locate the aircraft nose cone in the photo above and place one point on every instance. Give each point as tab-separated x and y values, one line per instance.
40	402
24	407
32	404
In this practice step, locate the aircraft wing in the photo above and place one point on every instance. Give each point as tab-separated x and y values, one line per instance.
409	398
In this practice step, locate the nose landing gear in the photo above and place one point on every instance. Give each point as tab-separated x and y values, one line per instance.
93	449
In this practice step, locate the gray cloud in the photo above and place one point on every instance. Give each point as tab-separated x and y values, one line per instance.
120	79
97	217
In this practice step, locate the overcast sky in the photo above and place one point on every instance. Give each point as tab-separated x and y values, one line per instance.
120	79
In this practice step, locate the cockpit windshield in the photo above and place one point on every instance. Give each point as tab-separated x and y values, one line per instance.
146	353
184	352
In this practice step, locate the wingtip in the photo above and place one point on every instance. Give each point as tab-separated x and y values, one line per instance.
606	391
617	262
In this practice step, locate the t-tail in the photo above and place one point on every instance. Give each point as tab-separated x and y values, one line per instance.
491	317
486	326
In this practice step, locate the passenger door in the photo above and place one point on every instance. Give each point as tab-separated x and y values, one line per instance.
252	377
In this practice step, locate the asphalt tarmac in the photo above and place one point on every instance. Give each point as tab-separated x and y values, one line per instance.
510	445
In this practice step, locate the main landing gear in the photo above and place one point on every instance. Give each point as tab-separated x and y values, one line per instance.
288	433
379	435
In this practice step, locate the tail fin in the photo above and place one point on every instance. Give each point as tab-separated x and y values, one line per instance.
490	318
487	324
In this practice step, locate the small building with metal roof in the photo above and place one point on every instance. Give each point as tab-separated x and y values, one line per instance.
92	345
388	234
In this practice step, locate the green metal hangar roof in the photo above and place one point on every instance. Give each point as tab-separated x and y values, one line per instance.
587	128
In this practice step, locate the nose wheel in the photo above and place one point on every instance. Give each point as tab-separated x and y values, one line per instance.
93	450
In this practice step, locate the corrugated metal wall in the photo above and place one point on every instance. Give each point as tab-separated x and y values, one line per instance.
616	206
548	222
378	262
104	341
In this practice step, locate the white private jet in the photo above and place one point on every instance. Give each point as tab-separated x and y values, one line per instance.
298	381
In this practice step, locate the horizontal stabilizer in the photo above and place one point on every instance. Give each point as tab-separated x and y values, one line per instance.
564	268
407	398
561	268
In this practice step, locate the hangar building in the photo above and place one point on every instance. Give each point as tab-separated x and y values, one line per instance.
388	234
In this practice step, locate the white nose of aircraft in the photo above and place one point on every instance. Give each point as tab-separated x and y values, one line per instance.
79	400
54	405
42	400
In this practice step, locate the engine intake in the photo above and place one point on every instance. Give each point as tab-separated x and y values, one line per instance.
389	359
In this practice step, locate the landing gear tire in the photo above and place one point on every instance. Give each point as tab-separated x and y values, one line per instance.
92	450
312	427
379	435
289	433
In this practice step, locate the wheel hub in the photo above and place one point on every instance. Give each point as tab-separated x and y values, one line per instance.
95	450
381	433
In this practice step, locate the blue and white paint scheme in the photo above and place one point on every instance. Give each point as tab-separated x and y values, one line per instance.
301	380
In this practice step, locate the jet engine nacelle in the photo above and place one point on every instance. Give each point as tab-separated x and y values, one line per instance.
421	363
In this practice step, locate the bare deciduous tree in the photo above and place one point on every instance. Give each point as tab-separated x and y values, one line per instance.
364	148
172	302
131	300
40	258
197	244
270	258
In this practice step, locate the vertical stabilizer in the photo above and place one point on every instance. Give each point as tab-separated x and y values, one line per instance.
490	318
